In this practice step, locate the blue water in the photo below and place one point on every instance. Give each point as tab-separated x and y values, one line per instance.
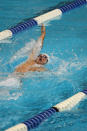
66	45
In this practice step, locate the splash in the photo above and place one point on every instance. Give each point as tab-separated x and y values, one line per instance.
10	82
63	67
6	94
10	87
60	67
25	51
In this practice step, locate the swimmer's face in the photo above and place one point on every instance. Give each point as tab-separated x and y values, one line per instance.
42	59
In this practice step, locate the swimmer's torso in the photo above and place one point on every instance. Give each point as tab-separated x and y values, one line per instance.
29	66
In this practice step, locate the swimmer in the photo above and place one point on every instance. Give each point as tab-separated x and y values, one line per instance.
36	61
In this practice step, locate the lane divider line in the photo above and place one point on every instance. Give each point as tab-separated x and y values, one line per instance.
38	119
40	19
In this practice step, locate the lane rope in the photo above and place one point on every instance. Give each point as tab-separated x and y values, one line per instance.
38	119
40	19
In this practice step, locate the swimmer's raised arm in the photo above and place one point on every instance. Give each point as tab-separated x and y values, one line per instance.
43	32
40	39
36	60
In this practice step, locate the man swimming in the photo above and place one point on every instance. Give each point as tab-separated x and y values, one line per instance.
35	61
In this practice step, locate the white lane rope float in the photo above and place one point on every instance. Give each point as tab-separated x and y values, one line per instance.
38	119
40	19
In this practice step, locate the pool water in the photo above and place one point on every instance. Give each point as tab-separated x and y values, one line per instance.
66	45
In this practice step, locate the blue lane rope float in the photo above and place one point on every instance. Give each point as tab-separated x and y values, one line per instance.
40	19
23	26
38	119
72	5
35	121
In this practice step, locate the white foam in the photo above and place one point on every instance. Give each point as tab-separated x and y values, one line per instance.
65	68
9	87
5	94
10	82
25	51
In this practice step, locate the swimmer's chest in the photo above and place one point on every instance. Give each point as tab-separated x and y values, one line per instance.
37	69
